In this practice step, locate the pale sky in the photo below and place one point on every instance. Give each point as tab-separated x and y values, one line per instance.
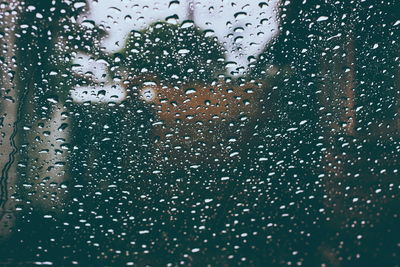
255	24
259	23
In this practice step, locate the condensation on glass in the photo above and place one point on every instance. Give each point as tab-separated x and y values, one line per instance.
216	133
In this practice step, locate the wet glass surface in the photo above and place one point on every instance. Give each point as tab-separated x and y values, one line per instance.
199	133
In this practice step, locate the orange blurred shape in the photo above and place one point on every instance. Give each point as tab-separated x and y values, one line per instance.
196	121
199	102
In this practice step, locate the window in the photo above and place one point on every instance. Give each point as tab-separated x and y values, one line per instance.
217	133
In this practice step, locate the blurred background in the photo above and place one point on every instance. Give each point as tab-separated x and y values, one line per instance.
296	164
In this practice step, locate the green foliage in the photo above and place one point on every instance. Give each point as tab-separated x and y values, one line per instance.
48	39
172	52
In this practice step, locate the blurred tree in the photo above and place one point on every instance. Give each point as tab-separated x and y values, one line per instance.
47	39
174	53
338	63
8	116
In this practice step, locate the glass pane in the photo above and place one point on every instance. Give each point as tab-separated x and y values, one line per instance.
217	133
